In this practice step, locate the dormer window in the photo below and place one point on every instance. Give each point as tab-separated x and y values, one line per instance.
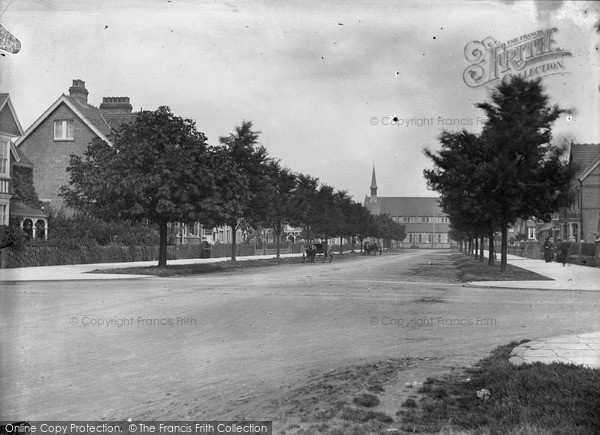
63	129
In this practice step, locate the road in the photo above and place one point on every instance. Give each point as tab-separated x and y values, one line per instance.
113	349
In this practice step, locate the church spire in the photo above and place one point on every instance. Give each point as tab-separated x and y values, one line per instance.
373	186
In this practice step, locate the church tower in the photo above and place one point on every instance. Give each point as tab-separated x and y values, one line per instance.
373	197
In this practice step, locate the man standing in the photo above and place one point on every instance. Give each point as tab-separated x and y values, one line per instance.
564	251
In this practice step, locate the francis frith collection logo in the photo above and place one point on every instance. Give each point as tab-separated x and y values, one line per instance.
531	55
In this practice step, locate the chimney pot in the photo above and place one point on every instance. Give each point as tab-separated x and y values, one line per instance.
78	91
116	105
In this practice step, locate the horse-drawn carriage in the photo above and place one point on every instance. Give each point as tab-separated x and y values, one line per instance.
311	250
370	246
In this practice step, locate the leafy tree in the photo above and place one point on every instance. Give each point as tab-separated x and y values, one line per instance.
527	176
510	171
156	170
305	205
328	216
243	201
278	197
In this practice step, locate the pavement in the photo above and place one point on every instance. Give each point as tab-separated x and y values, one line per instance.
82	272
570	277
580	349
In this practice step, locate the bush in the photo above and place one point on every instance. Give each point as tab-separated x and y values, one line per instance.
86	231
11	235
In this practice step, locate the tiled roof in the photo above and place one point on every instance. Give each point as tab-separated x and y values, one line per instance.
22	210
93	114
3	98
405	206
116	119
583	155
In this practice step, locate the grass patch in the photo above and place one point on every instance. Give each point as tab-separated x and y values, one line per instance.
470	269
498	397
203	268
430	300
376	388
357	415
366	400
409	403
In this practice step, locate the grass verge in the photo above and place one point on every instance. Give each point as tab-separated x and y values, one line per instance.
223	266
470	269
498	397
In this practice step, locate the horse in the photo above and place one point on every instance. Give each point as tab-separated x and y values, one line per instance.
310	251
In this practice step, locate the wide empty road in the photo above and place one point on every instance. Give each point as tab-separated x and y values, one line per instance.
218	346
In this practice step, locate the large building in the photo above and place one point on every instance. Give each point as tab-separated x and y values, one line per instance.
18	200
581	221
65	128
426	223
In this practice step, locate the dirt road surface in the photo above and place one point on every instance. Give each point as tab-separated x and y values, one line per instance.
239	345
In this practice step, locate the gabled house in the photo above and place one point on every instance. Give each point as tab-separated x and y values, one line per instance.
18	200
65	128
581	220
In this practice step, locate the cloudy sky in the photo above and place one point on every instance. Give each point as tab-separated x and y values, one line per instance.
321	81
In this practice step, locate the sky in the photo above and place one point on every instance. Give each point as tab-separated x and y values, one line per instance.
323	82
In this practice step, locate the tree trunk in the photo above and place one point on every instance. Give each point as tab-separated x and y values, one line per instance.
277	237
469	246
481	240
476	247
163	230
504	248
233	225
341	244
491	247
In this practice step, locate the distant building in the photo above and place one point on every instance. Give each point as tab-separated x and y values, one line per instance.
67	127
426	223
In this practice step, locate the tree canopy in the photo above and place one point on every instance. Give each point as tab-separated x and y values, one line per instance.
155	168
509	171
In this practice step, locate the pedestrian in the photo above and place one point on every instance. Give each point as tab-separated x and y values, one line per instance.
564	251
548	250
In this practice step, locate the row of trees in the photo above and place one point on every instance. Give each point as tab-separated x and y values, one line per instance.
160	169
508	171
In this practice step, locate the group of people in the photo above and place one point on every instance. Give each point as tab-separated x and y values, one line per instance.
560	252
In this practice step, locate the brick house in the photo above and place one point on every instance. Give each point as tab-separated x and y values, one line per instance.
18	200
65	128
581	220
426	223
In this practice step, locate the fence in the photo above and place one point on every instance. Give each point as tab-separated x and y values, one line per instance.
53	256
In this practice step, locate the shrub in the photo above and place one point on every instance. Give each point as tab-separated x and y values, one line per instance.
80	230
11	235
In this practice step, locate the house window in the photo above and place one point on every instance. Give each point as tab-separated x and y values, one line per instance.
3	214
63	129
4	157
439	238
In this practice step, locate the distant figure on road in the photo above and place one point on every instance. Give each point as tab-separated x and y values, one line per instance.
564	247
548	250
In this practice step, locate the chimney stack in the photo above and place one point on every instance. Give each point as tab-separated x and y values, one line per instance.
119	105
78	91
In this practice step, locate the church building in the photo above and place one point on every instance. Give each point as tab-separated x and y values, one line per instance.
426	223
